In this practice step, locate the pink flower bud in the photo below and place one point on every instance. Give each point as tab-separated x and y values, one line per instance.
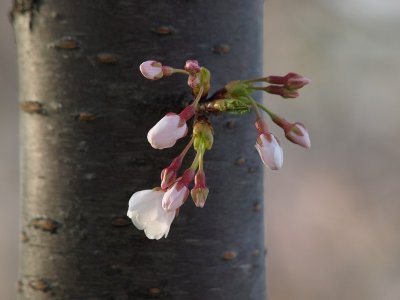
175	196
261	126
167	131
168	175
200	191
295	81
298	134
199	196
151	69
194	81
291	81
192	66
178	193
269	150
281	91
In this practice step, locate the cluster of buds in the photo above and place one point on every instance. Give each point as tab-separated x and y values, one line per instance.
154	210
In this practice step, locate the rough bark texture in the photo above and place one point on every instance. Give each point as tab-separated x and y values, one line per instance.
85	113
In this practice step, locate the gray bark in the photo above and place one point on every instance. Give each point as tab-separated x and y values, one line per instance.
85	113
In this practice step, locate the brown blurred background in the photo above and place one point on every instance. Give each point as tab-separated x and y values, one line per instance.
332	213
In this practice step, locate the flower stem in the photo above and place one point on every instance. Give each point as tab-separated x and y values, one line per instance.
255	105
254	80
278	120
257	88
270	113
195	162
201	156
180	71
198	97
186	149
198	160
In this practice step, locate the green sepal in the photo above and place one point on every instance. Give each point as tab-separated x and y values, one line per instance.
205	79
238	89
203	136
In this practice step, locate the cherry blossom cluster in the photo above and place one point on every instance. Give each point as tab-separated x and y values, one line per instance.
154	210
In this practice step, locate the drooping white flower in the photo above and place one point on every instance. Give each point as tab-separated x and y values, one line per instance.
167	131
270	151
151	69
147	213
175	196
298	134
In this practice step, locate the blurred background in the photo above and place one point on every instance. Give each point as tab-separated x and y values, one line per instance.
332	213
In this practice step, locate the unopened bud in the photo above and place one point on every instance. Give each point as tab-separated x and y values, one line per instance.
261	126
291	81
281	91
192	66
199	196
200	191
176	195
194	82
198	80
295	81
270	151
167	131
151	69
298	134
168	177
187	177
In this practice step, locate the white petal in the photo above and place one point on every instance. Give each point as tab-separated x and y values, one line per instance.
147	214
134	215
160	227
270	152
173	198
166	132
151	69
141	204
302	139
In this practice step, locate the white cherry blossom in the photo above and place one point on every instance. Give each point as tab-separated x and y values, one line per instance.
147	213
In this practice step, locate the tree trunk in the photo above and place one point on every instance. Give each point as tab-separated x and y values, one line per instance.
85	113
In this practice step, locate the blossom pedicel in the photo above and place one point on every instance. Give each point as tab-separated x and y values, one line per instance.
154	210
